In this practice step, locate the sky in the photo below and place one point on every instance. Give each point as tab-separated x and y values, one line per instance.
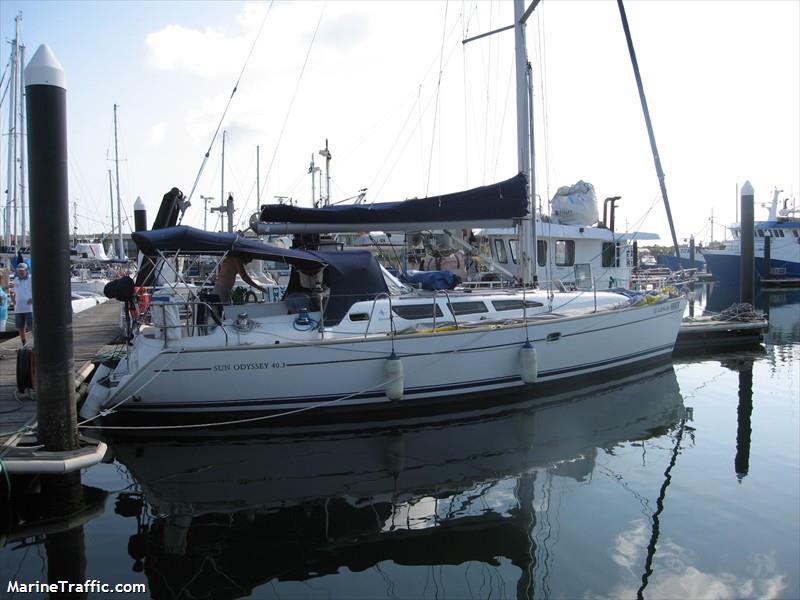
408	110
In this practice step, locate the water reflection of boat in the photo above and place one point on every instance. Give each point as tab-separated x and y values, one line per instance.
291	506
783	311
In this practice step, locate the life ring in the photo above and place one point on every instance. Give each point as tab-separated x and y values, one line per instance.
140	304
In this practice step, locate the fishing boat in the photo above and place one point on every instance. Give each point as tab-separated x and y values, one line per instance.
782	227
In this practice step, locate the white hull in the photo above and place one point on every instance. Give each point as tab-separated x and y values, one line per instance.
248	376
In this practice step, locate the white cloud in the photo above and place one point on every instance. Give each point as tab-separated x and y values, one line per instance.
675	574
628	544
157	132
205	53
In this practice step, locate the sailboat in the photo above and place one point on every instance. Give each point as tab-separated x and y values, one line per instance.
349	338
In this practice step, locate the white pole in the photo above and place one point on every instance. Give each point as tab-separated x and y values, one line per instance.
222	184
327	175
313	191
13	124
258	178
111	198
12	166
526	224
22	146
119	201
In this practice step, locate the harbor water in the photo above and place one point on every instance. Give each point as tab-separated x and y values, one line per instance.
679	482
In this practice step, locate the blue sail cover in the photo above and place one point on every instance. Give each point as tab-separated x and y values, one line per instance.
198	241
506	200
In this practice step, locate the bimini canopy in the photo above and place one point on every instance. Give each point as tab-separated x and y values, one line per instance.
352	276
496	205
198	241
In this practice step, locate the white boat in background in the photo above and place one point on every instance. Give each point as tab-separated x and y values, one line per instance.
85	300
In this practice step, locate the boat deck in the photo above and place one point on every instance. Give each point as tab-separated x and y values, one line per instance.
93	330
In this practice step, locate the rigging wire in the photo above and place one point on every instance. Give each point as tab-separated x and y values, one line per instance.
402	129
227	106
488	102
291	102
438	89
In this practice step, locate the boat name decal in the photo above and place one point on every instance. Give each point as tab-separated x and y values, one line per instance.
666	307
250	366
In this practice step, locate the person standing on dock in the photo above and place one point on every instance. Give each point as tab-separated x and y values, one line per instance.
4	300
23	302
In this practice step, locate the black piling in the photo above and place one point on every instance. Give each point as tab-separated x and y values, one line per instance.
744	427
46	105
767	274
139	215
747	244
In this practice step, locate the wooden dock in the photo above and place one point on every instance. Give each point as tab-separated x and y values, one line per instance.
93	330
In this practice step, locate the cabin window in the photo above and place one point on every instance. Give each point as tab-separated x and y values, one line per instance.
610	254
780	233
359	317
514	304
417	311
794	232
500	251
512	245
468	308
735	234
541	252
565	253
760	233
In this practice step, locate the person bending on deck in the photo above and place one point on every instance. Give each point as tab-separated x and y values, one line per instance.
233	265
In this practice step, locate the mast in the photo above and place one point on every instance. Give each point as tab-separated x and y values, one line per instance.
111	197
651	135
258	177
13	121
527	226
22	153
312	170
119	201
11	166
74	223
222	184
327	154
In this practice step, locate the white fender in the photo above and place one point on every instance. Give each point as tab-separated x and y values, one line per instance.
393	373
97	396
528	363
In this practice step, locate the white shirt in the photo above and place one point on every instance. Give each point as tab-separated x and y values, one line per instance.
23	293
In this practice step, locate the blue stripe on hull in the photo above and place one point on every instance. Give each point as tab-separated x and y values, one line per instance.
726	268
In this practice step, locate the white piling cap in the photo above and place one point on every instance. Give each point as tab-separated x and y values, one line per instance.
139	204
747	189
44	69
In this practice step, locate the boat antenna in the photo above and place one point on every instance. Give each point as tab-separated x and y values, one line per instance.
227	106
